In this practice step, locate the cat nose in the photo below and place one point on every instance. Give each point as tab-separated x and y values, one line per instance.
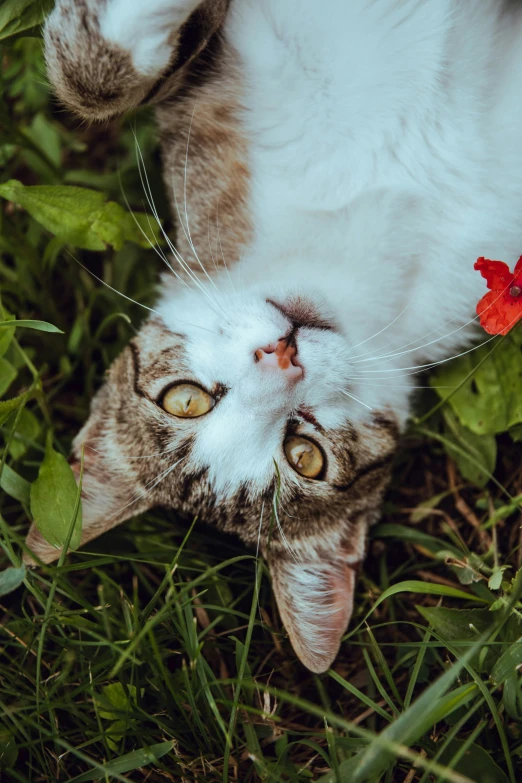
281	356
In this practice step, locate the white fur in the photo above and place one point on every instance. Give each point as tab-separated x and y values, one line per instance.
145	32
384	146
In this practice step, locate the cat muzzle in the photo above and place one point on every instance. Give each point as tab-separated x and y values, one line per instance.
281	357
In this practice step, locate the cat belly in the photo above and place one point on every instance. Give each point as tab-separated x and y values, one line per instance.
323	94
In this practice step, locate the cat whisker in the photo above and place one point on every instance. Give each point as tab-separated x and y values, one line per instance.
186	230
110	287
170	450
210	244
134	301
401	386
281	532
159	252
148	194
430	365
376	334
149	486
353	397
401	352
257	555
221	246
150	200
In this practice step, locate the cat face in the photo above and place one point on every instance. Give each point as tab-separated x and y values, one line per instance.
232	409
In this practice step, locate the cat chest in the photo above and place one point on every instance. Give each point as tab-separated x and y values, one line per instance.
320	127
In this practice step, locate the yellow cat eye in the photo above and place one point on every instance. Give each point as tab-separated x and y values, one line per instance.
304	456
187	401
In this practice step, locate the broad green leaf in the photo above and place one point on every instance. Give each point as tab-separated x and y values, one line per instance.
482	450
80	216
114	700
414	586
8	406
6	335
436	546
41	326
457	624
126	763
53	500
495	580
508	663
10	579
490	401
27	429
516	433
8	749
15	486
512	697
119	703
423	510
18	16
504	511
476	763
7	375
460	627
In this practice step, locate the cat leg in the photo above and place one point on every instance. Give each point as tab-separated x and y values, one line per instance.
104	57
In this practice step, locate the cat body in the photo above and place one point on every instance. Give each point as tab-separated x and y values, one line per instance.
335	169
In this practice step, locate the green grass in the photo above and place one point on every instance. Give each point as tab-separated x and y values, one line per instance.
156	653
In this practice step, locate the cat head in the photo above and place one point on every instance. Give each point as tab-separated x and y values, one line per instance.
240	410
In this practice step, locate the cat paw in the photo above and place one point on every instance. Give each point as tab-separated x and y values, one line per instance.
145	30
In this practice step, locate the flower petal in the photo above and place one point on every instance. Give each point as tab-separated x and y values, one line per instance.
496	273
517	274
499	313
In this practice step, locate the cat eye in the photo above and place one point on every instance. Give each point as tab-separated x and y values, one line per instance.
187	401
304	456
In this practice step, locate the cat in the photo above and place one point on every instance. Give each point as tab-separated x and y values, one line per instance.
334	169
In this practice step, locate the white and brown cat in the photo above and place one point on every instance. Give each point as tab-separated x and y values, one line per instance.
335	168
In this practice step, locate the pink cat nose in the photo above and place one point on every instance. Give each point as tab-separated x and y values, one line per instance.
281	355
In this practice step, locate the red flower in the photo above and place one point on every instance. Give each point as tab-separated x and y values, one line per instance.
501	307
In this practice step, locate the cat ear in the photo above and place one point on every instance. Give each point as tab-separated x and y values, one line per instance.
315	601
110	489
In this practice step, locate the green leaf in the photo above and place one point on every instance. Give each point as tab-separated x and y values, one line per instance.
8	749
436	546
495	580
516	433
15	486
10	579
6	335
476	763
28	429
414	586
459	626
18	16
41	326
490	401
126	763
482	450
423	510
80	216
7	375
504	512
118	701
508	663
53	499
8	406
